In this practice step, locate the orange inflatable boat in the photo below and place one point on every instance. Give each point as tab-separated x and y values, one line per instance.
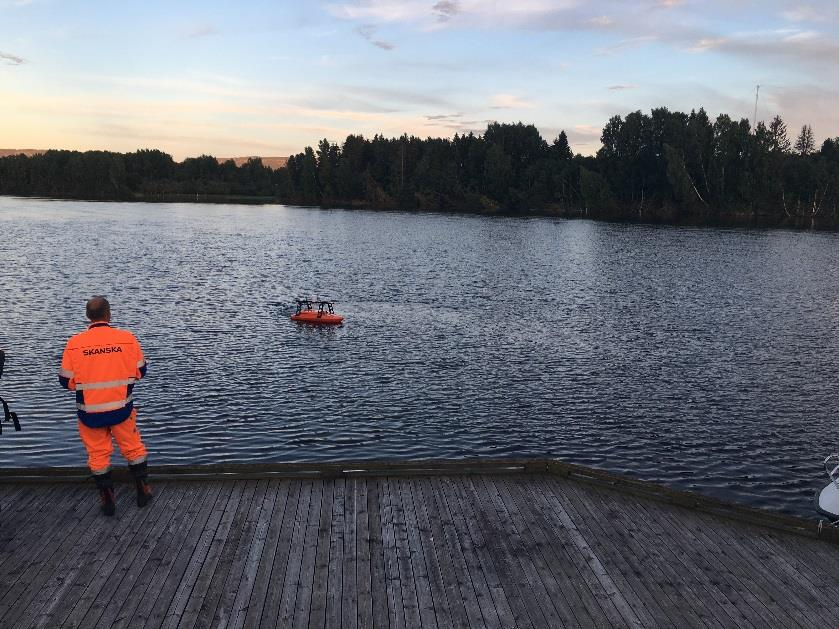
317	312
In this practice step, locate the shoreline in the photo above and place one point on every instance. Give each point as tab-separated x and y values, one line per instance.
658	217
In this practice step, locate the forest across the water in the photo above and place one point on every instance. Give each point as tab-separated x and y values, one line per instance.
665	166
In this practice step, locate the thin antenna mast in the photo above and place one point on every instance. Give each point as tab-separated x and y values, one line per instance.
754	120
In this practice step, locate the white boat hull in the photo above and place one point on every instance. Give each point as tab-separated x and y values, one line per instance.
827	501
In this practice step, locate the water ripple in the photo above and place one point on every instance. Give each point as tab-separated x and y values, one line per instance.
705	359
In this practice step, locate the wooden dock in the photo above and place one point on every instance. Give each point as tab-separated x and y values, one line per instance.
433	545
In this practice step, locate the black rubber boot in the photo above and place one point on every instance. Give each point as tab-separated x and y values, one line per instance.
140	473
106	493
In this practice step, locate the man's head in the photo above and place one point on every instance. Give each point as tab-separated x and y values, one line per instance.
98	309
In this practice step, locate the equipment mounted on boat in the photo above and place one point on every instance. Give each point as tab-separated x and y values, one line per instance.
8	415
827	500
316	311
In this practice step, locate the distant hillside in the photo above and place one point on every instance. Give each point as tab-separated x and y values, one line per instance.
271	162
27	152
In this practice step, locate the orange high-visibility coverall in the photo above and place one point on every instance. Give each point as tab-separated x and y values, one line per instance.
101	365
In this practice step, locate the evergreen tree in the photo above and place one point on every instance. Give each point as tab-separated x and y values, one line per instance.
805	144
778	135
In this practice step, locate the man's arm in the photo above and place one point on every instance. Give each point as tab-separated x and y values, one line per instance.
142	365
66	377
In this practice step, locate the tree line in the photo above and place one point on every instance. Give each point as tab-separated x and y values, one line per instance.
662	166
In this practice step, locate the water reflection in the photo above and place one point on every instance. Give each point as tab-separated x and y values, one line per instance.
701	358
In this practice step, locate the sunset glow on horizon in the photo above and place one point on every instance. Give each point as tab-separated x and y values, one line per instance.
269	78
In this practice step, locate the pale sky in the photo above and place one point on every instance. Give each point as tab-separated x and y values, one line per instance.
268	78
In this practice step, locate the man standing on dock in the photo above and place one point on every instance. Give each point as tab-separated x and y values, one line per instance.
101	365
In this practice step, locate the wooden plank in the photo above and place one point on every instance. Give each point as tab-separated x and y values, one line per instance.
496	607
349	578
168	504
298	499
164	581
144	572
442	573
262	470
364	579
430	590
778	559
417	550
412	552
26	586
320	574
457	601
678	551
544	496
225	609
72	550
321	493
550	596
269	553
682	549
30	532
486	533
378	571
95	573
793	612
295	557
244	591
183	554
110	574
336	554
19	505
393	589
688	601
611	544
589	607
800	565
812	554
557	589
239	491
218	580
407	577
464	562
725	558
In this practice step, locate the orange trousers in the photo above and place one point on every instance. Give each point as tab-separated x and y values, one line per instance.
97	442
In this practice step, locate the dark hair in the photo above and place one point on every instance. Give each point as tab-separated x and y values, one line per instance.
98	308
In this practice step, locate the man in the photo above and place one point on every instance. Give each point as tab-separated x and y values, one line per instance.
101	365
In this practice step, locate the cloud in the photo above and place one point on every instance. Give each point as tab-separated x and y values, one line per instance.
470	13
509	101
707	43
802	13
681	25
627	44
628	86
792	44
446	9
601	21
445	117
368	31
199	30
10	59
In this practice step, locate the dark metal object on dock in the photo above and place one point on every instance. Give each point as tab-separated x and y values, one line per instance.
526	543
8	414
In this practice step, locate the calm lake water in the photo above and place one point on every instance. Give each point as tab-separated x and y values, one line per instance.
702	358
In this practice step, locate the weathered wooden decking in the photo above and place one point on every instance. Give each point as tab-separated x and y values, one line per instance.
455	549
